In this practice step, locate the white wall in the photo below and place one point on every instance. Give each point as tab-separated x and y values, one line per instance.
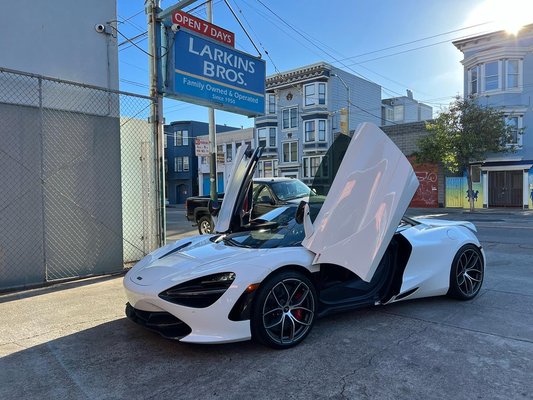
57	39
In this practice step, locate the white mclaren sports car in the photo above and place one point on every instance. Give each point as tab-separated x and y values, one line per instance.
348	246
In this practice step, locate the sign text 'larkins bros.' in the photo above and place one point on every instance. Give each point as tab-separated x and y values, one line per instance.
189	21
215	75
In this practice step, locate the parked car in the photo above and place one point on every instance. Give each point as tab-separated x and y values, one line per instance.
267	194
274	276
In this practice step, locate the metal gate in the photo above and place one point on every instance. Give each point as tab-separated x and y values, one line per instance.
505	188
78	174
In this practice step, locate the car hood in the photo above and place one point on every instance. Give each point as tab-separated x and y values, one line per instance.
183	260
371	191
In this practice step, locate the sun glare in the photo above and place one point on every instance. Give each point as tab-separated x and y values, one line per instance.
509	15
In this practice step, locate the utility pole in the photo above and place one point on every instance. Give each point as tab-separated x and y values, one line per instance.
212	133
156	111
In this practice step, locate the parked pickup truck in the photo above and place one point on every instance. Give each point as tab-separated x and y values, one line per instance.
268	193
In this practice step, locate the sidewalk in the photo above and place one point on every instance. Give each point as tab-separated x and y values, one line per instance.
477	211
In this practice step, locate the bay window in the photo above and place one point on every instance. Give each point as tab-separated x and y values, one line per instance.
492	76
267	137
512	69
310	166
315	130
314	94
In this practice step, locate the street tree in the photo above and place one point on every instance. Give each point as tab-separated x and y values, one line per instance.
463	134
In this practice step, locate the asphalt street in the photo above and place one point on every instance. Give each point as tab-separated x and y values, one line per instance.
72	341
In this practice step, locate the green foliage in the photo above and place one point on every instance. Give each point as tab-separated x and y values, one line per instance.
464	133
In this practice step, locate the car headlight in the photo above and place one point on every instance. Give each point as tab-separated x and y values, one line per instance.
201	292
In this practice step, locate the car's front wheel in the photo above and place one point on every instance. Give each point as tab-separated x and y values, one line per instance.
205	225
284	310
466	276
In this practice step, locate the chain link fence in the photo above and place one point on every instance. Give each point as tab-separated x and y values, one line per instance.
78	180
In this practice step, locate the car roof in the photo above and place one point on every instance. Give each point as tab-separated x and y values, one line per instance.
268	180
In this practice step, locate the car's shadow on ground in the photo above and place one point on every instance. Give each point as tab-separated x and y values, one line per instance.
119	359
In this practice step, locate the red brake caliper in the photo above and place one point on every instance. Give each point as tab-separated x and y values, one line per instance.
298	314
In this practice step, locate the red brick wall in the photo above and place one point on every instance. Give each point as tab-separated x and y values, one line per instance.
427	194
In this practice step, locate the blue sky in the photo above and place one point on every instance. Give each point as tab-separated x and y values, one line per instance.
397	44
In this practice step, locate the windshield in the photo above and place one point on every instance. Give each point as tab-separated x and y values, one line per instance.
289	190
285	232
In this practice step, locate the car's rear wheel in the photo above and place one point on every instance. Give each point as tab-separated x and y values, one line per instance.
284	310
466	276
205	225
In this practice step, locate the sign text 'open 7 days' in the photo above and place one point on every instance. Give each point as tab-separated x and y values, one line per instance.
189	21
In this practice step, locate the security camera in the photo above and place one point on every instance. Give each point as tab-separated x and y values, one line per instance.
175	27
100	28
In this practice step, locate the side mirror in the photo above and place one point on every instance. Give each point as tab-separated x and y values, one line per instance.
300	212
213	207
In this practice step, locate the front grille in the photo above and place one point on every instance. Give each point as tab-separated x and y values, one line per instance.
161	322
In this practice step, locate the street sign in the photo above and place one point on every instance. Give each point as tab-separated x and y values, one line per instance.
201	147
215	75
217	33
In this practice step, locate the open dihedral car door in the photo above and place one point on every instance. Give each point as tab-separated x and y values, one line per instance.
244	165
365	203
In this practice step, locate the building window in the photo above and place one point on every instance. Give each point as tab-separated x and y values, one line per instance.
310	166
321	93
229	151
271	104
272	137
181	164
398	113
290	118
268	168
310	95
514	124
165	140
389	114
290	152
475	173
512	74
321	130
314	93
315	130
492	77
309	131
261	137
166	165
473	76
220	154
265	141
181	138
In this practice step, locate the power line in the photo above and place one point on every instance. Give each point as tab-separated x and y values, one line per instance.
416	41
133	38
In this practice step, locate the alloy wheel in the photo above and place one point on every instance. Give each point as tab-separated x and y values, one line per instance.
288	311
469	272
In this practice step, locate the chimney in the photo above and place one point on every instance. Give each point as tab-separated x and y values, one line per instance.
410	94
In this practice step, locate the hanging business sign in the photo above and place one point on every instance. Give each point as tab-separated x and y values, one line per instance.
201	147
202	27
214	75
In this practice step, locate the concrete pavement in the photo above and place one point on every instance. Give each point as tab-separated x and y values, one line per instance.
72	341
